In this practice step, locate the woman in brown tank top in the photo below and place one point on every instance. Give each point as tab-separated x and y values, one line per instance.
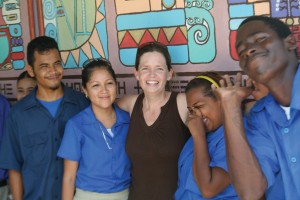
157	131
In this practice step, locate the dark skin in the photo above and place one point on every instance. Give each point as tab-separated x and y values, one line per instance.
268	60
205	116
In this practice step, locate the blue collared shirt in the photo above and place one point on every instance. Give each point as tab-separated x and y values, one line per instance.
31	141
187	186
4	109
275	141
100	169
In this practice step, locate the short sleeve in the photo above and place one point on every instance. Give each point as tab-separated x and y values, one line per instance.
70	147
218	155
262	146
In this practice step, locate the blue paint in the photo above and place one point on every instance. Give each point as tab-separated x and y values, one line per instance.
94	52
82	58
235	23
102	33
18	64
168	18
242	10
127	56
15	30
17	49
70	62
179	54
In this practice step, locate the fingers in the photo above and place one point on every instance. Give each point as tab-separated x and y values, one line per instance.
227	80
239	79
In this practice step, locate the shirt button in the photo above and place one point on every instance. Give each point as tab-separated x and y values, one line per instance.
293	159
286	130
56	178
56	139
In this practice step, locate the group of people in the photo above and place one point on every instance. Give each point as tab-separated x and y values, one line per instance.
159	145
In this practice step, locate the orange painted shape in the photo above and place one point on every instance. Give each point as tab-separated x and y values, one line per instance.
128	41
17	55
162	38
178	38
147	37
232	38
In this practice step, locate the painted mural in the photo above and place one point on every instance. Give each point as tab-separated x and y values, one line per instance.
286	10
199	34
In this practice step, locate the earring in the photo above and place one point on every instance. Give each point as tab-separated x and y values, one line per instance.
86	96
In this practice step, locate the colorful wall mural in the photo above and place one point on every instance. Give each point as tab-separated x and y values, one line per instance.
199	34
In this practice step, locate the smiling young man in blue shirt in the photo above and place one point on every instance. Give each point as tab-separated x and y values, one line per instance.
35	126
266	160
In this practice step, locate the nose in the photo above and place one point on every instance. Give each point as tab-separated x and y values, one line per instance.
251	48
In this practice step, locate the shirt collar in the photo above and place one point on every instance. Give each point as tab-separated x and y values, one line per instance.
122	116
31	101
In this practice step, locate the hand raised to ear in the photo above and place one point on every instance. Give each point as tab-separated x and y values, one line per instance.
233	91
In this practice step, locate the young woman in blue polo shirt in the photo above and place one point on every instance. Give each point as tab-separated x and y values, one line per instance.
202	167
93	145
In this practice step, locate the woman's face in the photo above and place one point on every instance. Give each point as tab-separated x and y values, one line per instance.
153	72
205	106
24	87
101	89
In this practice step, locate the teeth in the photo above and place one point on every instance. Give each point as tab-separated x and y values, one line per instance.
152	82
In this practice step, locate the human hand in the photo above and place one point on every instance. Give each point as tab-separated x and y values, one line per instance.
233	92
195	124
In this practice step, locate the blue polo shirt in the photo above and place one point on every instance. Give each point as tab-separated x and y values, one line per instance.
31	141
275	141
4	109
100	169
187	186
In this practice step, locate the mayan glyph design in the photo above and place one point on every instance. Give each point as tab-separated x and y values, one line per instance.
185	27
286	10
79	28
11	40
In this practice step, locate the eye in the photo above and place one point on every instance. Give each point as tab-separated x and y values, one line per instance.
95	85
261	39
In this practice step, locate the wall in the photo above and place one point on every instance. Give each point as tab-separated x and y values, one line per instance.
199	34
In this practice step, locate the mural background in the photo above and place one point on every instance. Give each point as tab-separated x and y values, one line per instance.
199	34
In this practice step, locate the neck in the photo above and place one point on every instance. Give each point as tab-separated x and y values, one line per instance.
156	100
50	94
281	87
104	114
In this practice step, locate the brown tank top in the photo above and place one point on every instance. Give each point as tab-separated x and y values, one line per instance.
154	151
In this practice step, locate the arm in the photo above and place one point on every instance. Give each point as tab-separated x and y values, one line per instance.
127	102
68	185
15	183
244	169
210	180
182	106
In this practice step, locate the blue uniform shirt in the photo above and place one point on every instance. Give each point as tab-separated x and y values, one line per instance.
31	141
4	109
187	186
100	169
276	143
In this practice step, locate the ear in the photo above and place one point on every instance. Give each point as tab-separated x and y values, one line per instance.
84	91
290	42
136	74
29	70
170	74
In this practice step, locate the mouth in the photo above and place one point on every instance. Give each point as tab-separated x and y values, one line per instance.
253	58
154	83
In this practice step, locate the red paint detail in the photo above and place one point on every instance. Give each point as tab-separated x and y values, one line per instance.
147	37
128	41
232	39
17	55
162	38
178	38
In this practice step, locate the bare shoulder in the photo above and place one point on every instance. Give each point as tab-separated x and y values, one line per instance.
127	102
182	106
